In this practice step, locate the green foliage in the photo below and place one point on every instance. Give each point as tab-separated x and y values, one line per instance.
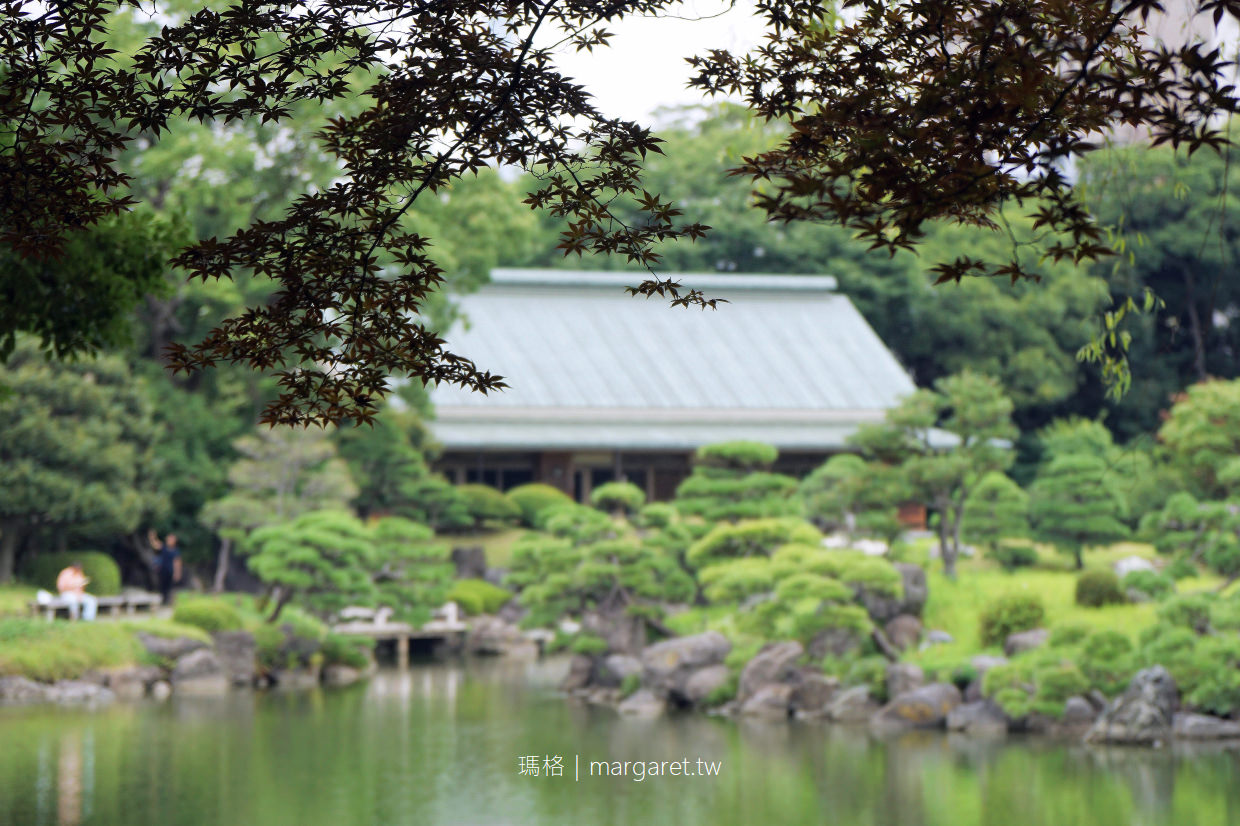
1064	636
1055	683
870	672
533	498
1008	614
75	452
387	465
718	495
477	596
325	558
735	580
1010	686
758	537
1097	588
657	515
576	522
49	651
997	509
486	505
1011	557
101	569
848	493
208	614
340	650
414	570
1202	437
1153	584
588	644
1107	660
616	497
1206	669
736	457
1076	503
971	407
1181	568
723	693
869	572
1190	611
630	684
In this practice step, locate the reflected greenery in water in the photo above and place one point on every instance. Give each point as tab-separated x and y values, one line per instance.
441	745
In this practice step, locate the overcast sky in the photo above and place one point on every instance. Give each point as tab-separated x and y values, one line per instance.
645	68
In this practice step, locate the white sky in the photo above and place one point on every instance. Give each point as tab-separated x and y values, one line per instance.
644	67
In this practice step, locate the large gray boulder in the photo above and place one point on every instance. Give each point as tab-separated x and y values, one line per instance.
981	718
169	648
199	672
1077	711
834	642
1188	726
667	665
776	662
915	589
22	691
812	693
80	693
852	705
704	682
491	636
643	703
1025	641
623	632
1143	714
904	631
903	678
238	656
618	667
580	673
925	707
771	701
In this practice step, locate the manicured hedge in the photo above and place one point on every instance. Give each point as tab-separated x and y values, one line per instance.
477	596
208	614
100	569
486	504
534	498
1007	615
1097	588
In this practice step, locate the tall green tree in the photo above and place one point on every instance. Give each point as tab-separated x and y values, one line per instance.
1076	503
282	473
75	452
944	441
996	510
1202	437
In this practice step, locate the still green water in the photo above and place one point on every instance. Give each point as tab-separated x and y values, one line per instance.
444	745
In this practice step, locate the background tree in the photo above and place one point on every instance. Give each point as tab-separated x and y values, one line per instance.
996	510
943	442
75	453
1075	503
326	560
1202	436
732	480
282	473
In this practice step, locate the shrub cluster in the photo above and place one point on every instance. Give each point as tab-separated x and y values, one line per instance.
1097	588
477	596
100	569
532	499
1008	615
487	505
1152	584
210	615
618	496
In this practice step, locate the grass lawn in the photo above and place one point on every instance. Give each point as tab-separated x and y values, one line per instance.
954	606
48	651
496	544
13	599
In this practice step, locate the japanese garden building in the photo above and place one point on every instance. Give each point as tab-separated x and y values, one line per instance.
605	386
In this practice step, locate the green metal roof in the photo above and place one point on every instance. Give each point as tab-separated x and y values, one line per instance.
787	361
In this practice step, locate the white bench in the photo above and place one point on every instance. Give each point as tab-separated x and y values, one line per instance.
130	603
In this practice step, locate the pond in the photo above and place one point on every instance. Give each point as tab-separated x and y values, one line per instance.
446	744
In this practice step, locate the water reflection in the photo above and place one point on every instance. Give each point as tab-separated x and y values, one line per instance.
441	745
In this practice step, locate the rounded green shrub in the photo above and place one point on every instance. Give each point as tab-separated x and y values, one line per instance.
870	672
535	497
750	538
1155	585
1191	611
576	522
340	650
477	596
1009	614
1108	661
658	515
1011	557
99	568
739	456
208	614
1097	588
588	644
1054	684
486	504
1063	636
1181	568
618	496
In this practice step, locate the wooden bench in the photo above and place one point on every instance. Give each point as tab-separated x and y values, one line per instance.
129	603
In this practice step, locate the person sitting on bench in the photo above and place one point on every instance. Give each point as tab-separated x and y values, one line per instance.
72	583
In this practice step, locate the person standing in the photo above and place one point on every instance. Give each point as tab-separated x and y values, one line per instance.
167	565
71	583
